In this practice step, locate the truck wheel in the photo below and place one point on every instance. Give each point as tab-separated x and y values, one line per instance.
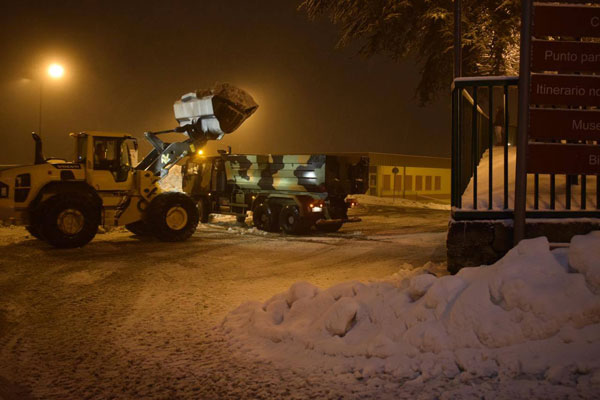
329	228
139	228
264	218
69	220
203	209
35	231
172	217
291	221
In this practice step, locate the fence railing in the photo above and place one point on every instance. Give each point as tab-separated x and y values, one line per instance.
484	127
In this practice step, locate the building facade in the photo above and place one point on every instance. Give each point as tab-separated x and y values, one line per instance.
410	177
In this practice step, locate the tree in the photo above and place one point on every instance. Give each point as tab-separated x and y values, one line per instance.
424	29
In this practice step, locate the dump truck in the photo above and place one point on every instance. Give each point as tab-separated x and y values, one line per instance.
64	203
291	193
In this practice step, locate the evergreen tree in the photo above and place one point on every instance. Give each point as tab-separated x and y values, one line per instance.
424	29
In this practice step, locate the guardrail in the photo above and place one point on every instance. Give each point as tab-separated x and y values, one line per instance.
484	119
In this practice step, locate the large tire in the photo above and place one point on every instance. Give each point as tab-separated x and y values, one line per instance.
264	218
291	222
203	209
139	228
329	227
35	231
69	220
172	217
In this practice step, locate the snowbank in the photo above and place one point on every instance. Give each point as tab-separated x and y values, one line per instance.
544	185
173	181
530	314
397	202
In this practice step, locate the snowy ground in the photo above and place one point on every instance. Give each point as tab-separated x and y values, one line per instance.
129	318
226	316
528	326
433	204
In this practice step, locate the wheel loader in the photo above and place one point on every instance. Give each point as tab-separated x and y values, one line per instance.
64	203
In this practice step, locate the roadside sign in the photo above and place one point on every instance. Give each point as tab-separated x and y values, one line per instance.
567	56
573	20
548	123
557	94
570	159
572	90
544	27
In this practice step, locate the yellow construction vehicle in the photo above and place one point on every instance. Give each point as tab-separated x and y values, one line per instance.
64	203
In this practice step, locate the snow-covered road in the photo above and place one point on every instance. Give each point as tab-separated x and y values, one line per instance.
128	318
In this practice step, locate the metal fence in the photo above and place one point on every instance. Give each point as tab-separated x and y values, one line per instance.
484	119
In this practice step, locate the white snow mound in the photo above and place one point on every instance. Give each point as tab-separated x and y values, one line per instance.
529	314
173	181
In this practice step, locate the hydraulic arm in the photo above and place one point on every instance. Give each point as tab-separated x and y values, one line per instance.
202	116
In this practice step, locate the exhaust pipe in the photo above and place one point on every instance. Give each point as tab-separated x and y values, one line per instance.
39	155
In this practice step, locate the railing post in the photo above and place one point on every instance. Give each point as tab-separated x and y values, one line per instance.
453	185
523	124
491	139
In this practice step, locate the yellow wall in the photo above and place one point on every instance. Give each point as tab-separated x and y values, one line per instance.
382	171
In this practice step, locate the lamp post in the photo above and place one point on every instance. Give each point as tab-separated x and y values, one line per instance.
55	71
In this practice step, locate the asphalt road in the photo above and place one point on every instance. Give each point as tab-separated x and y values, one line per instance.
126	317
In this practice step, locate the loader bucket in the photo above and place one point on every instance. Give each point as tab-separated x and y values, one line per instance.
215	112
231	105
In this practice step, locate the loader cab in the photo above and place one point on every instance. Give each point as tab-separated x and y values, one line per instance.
107	159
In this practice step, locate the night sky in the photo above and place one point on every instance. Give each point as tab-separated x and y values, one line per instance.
126	63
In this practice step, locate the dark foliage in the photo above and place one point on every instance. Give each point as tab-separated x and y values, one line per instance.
423	30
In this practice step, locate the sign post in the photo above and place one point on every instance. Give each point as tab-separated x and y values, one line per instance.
523	123
395	171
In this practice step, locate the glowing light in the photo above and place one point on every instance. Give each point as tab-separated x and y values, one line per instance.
56	71
200	152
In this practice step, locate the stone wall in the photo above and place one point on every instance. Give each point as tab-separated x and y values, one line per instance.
483	242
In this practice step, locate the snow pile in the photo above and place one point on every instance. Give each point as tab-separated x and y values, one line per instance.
544	185
398	202
529	314
173	181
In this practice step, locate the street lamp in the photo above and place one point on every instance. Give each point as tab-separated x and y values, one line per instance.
55	71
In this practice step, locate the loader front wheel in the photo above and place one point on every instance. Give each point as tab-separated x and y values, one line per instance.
35	231
329	227
172	217
69	220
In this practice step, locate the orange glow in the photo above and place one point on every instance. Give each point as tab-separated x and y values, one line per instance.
56	71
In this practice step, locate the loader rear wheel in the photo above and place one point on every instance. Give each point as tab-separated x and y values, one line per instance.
139	228
264	218
291	221
69	220
172	217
